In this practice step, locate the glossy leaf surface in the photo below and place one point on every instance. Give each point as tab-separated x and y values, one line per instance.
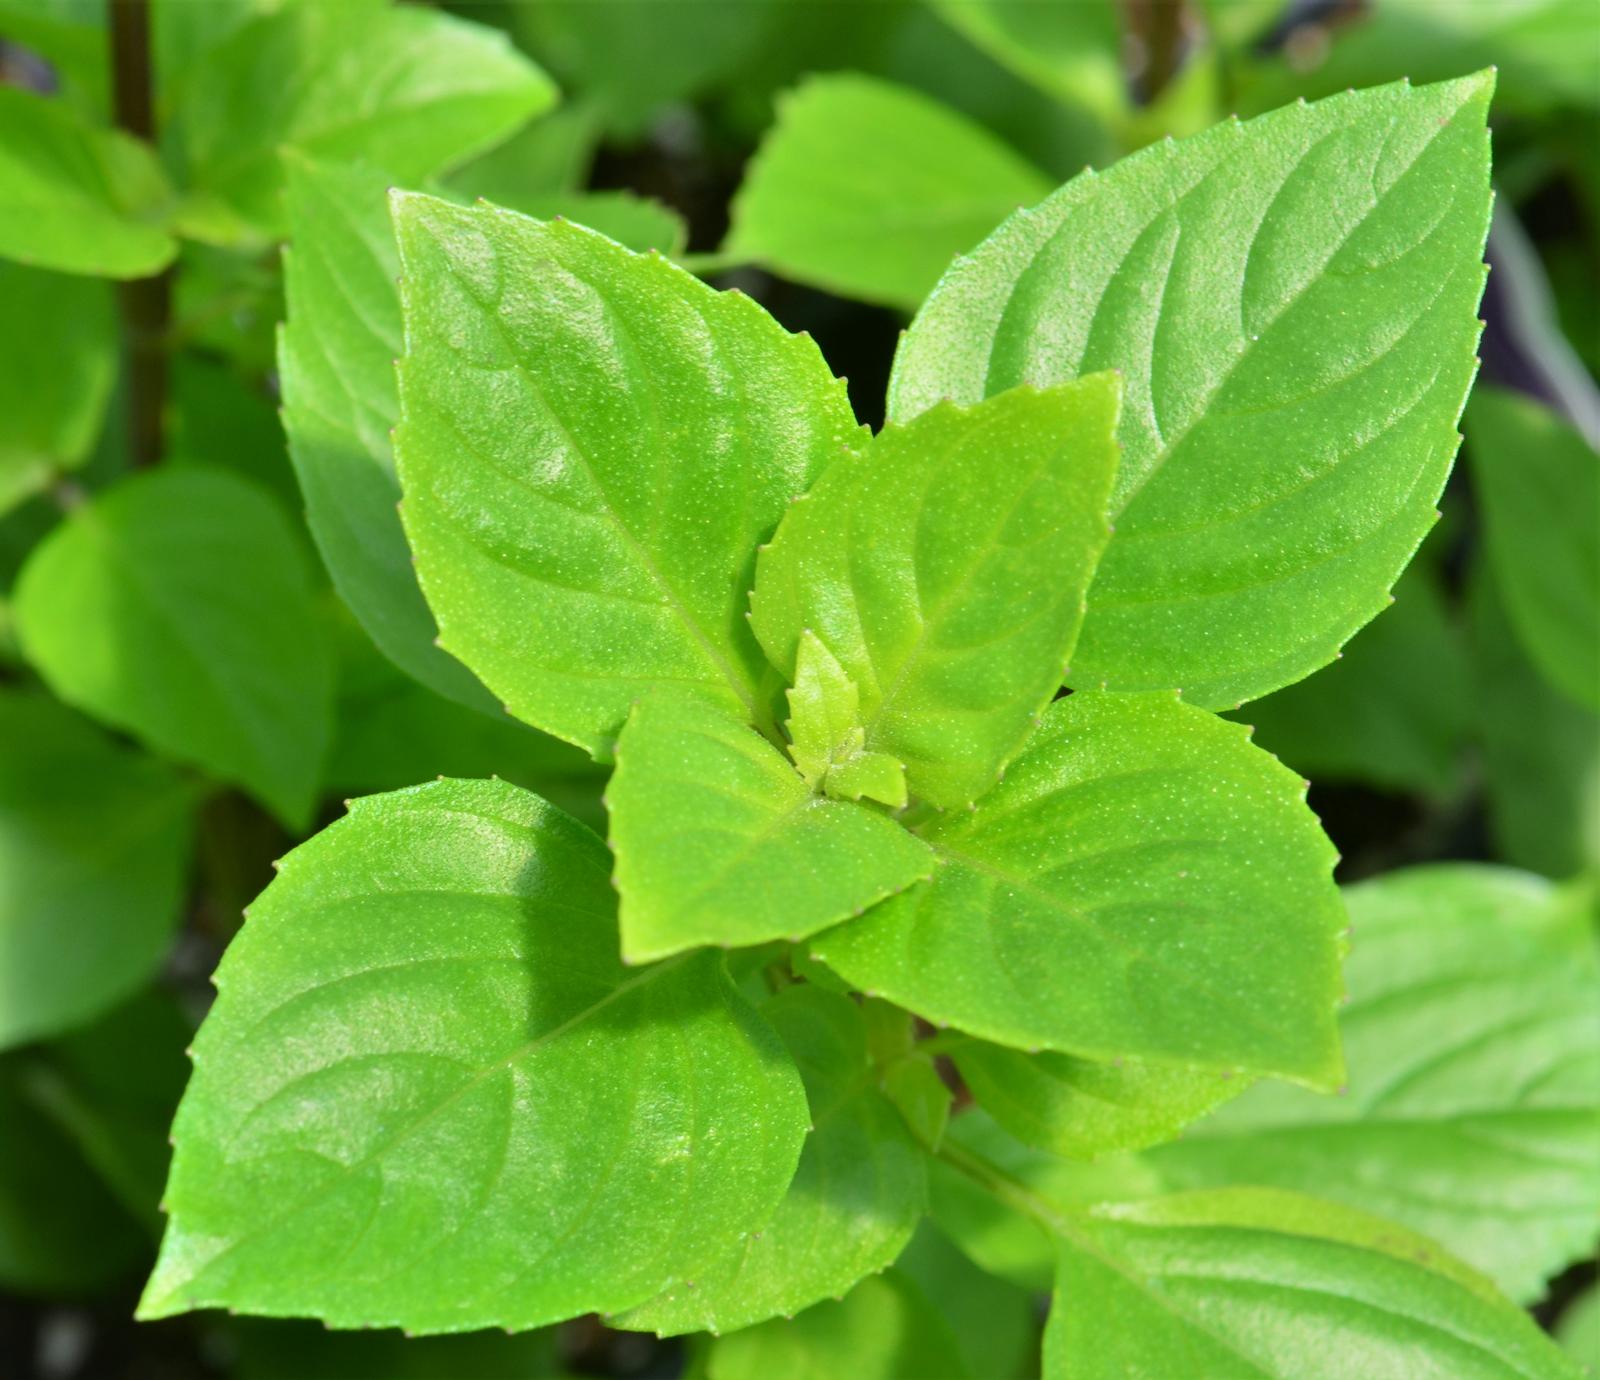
1293	302
720	841
593	443
945	569
426	1062
1143	883
177	606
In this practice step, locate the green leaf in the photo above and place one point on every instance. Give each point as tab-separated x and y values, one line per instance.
551	155
876	218
1541	752
340	403
1143	883
635	222
426	1063
992	1319
112	1087
884	1329
913	1084
592	444
392	732
58	359
825	733
857	1196
1541	50
1579	1329
94	845
1255	1284
1071	52
1539	484
1395	710
945	569
75	197
631	59
1082	1108
719	841
998	1237
1474	1107
217	415
410	90
177	606
61	1230
1293	302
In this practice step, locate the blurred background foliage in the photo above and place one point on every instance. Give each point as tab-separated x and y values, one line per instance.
828	157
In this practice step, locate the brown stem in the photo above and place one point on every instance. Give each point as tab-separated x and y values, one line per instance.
1159	27
145	303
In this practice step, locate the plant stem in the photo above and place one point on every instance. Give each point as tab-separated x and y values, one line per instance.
1012	1192
145	303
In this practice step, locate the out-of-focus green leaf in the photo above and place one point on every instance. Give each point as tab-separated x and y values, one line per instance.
61	1230
997	1237
857	1195
336	357
78	198
94	841
1473	1113
178	606
1544	51
392	731
1083	1108
1539	483
229	304
216	416
992	1319
883	1329
1579	1330
548	156
868	190
426	1062
635	222
1395	710
408	89
632	57
1071	51
1259	1284
112	1088
71	36
1293	304
58	358
1541	751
